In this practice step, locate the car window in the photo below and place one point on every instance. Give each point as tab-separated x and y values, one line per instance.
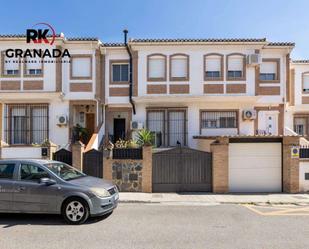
7	170
64	171
32	173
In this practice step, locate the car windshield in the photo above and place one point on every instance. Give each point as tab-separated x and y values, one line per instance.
64	171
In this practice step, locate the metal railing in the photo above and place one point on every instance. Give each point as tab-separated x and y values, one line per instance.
304	151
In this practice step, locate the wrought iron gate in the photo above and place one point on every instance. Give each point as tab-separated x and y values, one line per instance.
63	155
93	163
182	170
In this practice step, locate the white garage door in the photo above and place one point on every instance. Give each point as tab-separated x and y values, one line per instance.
255	167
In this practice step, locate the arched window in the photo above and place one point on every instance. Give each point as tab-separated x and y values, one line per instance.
236	66
213	67
179	67
156	67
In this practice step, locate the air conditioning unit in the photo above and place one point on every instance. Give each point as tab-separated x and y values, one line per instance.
249	114
135	125
254	59
62	120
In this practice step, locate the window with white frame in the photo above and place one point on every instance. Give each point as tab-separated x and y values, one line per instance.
235	67
120	72
213	67
301	125
33	66
156	67
306	82
269	70
218	119
179	67
11	66
81	66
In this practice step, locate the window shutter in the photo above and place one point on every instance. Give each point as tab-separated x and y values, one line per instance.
11	64
306	81
34	63
213	63
235	63
268	67
81	67
156	67
179	67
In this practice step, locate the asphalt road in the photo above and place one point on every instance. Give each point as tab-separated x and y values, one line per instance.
161	226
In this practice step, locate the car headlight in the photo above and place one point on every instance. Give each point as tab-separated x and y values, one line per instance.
100	192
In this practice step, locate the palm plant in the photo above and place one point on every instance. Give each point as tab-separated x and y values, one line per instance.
145	137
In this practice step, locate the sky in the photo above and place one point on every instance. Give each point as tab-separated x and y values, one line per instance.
276	20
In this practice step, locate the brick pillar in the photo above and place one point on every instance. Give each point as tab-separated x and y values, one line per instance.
290	165
51	149
107	168
77	155
147	170
220	165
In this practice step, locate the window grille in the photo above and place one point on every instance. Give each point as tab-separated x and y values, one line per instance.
26	123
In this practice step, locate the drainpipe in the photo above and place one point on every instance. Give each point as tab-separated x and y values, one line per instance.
130	70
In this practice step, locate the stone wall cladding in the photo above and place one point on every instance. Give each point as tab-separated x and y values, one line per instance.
127	175
130	175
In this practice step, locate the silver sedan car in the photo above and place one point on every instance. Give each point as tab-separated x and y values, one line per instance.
44	186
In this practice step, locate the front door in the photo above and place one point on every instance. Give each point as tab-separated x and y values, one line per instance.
90	126
31	196
119	129
6	185
271	124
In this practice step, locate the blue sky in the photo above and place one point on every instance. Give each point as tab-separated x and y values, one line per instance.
276	20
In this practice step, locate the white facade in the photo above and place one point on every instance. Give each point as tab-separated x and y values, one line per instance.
54	87
195	99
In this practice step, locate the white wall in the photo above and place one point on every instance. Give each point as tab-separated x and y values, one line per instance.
114	54
21	152
299	68
303	184
196	53
58	134
49	77
193	117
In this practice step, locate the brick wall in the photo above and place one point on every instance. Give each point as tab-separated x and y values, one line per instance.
130	175
290	166
220	164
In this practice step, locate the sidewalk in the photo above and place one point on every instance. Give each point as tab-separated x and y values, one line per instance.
209	198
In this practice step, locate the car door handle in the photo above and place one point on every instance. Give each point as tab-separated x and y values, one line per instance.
21	188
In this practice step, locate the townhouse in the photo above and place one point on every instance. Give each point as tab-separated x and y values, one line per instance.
297	109
244	93
43	99
189	91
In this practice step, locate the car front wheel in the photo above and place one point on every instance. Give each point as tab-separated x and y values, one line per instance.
75	211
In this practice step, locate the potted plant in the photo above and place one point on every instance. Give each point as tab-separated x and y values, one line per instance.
145	137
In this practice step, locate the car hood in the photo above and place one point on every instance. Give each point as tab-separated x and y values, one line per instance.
92	182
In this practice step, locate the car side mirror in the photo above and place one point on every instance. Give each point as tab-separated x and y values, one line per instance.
47	181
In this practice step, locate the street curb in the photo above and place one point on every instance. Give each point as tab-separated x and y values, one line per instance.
222	202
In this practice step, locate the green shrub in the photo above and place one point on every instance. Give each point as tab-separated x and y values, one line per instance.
145	137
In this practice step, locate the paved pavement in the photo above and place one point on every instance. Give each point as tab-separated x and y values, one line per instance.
215	198
166	225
